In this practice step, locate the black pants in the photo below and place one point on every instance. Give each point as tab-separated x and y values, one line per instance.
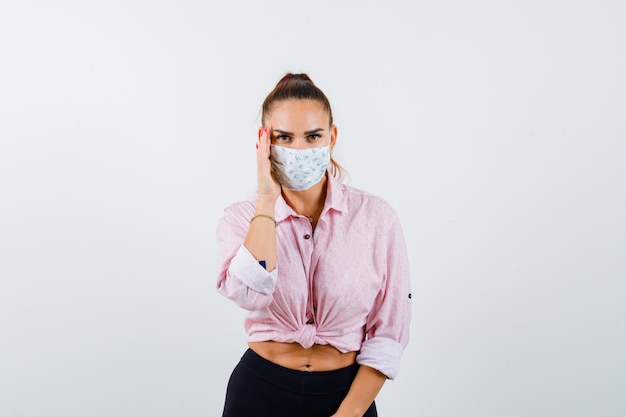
260	388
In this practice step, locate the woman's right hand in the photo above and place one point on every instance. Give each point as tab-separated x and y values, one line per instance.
269	187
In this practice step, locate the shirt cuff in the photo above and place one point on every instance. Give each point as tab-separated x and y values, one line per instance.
245	267
382	354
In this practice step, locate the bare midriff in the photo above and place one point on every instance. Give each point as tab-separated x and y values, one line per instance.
293	356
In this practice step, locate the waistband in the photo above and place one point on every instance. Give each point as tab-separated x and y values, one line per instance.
301	382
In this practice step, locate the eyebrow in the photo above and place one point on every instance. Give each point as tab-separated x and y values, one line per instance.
308	132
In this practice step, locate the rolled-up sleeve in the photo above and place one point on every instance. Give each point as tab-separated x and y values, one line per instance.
240	277
388	324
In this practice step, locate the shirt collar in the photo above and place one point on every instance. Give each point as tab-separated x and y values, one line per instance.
335	200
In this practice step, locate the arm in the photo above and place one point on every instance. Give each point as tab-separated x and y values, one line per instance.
388	322
363	391
261	237
387	329
240	277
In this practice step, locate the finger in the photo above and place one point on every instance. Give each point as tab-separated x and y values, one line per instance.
259	136
259	141
264	142
262	148
268	137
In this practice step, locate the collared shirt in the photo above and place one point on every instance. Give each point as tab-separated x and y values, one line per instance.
346	285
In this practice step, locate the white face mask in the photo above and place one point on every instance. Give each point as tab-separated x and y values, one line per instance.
299	169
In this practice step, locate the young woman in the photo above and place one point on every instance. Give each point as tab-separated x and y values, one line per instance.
321	268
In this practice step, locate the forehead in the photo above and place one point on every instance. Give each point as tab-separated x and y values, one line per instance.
297	115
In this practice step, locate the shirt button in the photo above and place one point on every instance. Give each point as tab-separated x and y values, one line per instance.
307	236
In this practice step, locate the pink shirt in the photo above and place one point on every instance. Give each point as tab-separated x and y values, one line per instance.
346	285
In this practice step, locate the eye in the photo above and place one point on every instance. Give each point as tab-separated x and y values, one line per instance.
282	138
314	136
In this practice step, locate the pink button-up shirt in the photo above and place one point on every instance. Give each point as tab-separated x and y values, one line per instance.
346	285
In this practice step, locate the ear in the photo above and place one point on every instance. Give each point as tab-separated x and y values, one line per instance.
333	136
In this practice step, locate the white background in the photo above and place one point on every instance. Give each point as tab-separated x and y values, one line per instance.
495	128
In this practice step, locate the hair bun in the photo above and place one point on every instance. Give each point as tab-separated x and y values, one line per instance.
295	77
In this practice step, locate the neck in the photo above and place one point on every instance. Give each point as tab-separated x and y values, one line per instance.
308	202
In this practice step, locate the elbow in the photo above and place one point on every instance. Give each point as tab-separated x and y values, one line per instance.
245	297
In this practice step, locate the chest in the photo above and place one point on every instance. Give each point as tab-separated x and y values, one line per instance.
339	262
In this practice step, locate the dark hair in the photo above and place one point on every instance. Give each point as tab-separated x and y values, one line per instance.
300	87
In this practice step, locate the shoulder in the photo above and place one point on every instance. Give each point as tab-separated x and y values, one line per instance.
362	201
240	207
239	212
235	220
